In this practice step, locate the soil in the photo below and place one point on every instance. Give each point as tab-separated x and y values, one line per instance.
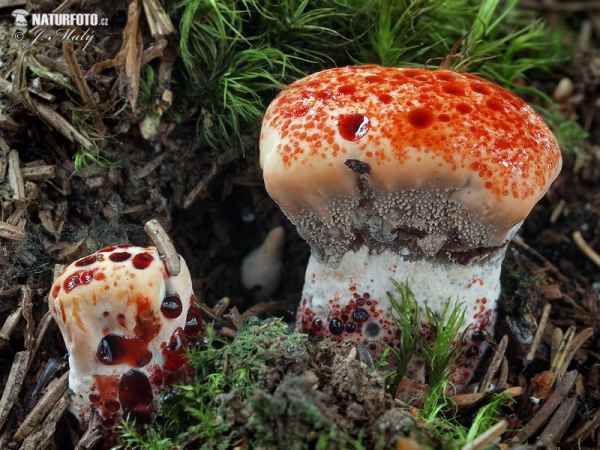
67	215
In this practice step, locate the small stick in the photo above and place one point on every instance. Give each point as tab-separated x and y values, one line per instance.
16	377
461	400
538	334
165	246
494	365
547	408
585	248
558	425
489	437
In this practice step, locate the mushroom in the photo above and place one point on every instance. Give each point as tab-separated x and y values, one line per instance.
124	320
19	15
261	268
406	174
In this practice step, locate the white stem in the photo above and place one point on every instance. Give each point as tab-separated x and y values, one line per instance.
350	301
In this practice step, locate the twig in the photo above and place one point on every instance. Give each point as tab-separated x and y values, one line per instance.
585	248
494	365
541	259
221	161
489	437
77	75
16	377
538	334
164	244
10	232
558	425
547	408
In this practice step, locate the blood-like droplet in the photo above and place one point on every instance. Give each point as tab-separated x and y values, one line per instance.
119	256
174	352
420	117
350	327
193	322
472	351
336	327
115	349
347	89
142	260
110	350
454	88
78	278
91	259
354	126
317	325
135	395
107	249
360	315
171	306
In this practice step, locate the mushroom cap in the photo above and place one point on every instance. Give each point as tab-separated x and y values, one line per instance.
118	311
475	144
19	12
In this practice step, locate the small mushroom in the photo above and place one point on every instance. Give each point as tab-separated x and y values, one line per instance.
262	267
124	320
405	174
19	15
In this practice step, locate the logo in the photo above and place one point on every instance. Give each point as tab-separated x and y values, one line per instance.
73	27
20	17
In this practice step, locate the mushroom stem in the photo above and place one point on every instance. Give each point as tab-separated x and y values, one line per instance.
349	301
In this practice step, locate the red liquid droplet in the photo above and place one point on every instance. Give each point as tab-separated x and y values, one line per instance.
114	349
142	260
193	322
135	395
480	89
373	79
336	327
385	98
119	256
171	307
420	118
354	126
91	259
360	315
347	89
463	108
124	245
79	278
174	353
454	88
324	94
107	249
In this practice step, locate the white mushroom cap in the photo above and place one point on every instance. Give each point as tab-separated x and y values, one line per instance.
430	152
122	317
411	174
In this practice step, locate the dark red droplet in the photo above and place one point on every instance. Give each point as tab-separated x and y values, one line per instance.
463	108
454	88
91	259
110	350
324	94
354	126
119	256
115	349
81	277
374	79
444	118
112	406
347	89
350	327
476	337
480	88
360	301
336	327
171	306
420	118
472	351
385	98
193	322
174	352
360	315
107	249
317	325
95	397
494	105
135	395
142	260
124	245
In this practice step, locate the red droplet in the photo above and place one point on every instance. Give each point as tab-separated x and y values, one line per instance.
385	98
115	349
494	105
119	256
174	353
135	395
91	259
454	88
374	79
420	118
107	249
81	277
354	126
100	276
121	319
193	322
124	245
480	88
171	306
347	89
463	108
142	260
324	94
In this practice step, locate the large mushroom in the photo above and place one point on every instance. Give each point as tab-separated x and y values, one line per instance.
405	174
123	318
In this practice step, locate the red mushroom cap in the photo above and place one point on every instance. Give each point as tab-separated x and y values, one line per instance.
408	129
